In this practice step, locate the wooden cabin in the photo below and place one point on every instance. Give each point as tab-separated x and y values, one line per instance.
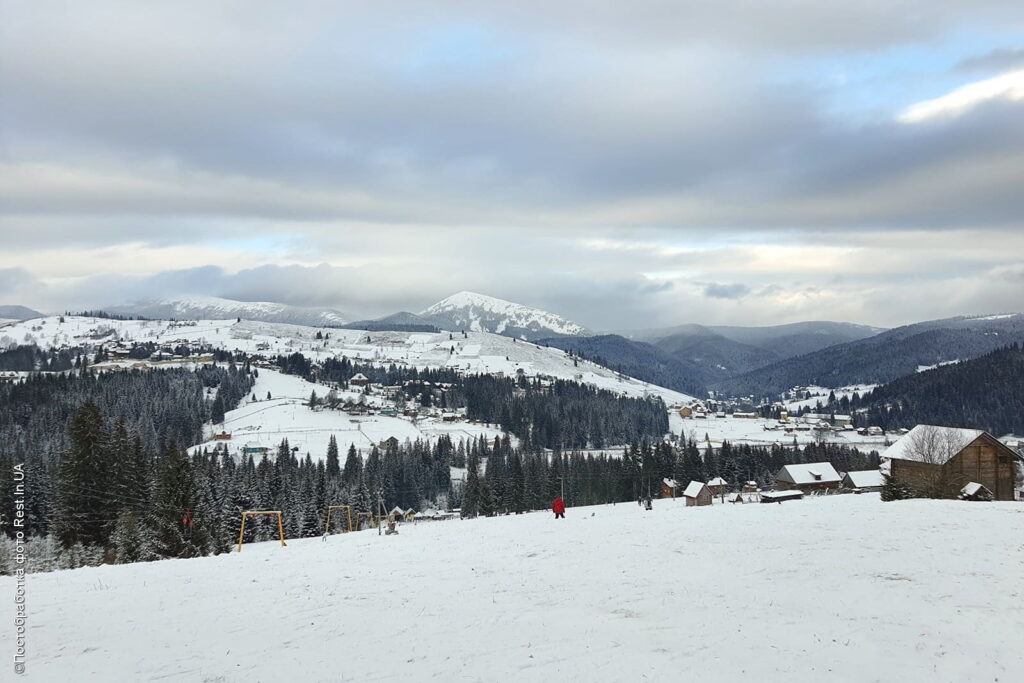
864	480
718	486
938	462
668	488
815	476
697	493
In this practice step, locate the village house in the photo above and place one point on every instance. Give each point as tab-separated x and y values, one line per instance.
864	480
718	486
697	493
668	488
815	476
359	380
938	462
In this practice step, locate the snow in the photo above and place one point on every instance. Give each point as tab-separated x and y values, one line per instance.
836	588
471	309
718	481
810	473
971	488
820	395
764	432
903	449
478	352
287	416
926	368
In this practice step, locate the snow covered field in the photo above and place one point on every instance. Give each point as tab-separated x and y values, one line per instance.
843	588
287	416
752	431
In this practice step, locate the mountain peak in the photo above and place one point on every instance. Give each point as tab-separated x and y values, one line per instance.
483	313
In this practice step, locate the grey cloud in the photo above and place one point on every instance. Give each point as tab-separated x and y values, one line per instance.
1003	59
715	290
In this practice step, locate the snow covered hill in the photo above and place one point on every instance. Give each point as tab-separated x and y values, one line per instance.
481	313
18	313
837	588
263	422
474	352
215	308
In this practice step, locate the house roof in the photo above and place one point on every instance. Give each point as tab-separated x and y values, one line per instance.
863	479
671	483
718	481
694	488
359	376
904	448
810	473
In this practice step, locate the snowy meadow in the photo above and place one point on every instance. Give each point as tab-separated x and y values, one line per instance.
837	588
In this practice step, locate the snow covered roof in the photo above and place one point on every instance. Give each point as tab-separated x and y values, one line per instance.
971	489
693	489
718	481
781	495
810	473
914	445
863	479
671	483
360	377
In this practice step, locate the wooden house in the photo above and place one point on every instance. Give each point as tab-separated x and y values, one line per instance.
359	380
864	480
938	462
668	488
697	493
685	411
718	486
816	476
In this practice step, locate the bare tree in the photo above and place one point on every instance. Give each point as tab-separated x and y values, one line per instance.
935	447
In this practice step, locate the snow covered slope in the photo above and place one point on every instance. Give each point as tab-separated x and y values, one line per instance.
476	352
481	313
286	415
837	588
18	313
215	308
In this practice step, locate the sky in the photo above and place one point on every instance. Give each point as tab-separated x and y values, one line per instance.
624	164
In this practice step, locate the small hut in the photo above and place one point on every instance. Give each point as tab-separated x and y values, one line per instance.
697	493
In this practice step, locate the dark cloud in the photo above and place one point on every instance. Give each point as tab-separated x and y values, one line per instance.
715	290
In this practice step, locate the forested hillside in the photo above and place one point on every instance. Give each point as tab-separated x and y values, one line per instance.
984	393
882	358
637	359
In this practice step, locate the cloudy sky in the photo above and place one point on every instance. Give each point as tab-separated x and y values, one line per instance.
626	164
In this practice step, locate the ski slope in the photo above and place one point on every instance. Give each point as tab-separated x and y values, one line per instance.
910	591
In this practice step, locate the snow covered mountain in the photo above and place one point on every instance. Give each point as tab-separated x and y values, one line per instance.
481	313
215	308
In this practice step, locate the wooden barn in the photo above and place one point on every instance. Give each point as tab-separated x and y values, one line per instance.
815	476
938	462
697	493
668	488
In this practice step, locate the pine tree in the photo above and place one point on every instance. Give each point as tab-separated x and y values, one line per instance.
333	466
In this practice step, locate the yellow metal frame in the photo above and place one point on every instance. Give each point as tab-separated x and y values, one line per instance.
280	525
332	508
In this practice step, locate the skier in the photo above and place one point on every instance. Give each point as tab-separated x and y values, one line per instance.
558	507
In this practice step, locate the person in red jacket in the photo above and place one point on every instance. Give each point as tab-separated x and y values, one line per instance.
558	507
